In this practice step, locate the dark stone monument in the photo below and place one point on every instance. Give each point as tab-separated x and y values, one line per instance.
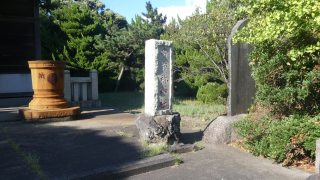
242	86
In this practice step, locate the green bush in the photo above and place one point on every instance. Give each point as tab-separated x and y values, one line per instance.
286	38
287	140
212	93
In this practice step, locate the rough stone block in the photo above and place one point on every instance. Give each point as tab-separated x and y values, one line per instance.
220	130
158	77
164	128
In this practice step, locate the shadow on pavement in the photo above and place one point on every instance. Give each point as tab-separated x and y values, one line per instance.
67	150
189	136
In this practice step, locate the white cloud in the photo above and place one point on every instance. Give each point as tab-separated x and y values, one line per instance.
183	11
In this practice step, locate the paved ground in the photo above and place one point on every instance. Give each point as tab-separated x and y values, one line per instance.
222	162
67	150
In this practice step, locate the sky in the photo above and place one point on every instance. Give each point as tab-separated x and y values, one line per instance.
129	8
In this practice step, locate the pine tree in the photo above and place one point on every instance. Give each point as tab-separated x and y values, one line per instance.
152	16
122	44
201	43
67	33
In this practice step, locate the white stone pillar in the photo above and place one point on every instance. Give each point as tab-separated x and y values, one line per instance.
93	86
76	91
317	163
158	77
67	85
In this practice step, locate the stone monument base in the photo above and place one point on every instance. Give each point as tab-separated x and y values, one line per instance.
54	115
162	128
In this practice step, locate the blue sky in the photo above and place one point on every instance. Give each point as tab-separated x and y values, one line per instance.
128	8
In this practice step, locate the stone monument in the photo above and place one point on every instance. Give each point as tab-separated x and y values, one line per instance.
242	86
159	123
241	91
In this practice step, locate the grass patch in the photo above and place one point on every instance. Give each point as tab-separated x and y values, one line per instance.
178	160
125	134
190	107
125	101
199	146
153	150
186	106
156	149
31	160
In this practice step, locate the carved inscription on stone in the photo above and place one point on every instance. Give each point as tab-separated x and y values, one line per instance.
158	77
41	75
163	77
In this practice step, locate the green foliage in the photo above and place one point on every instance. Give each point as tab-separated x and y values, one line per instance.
287	43
67	33
80	25
192	108
285	140
212	93
285	35
200	44
115	18
52	37
125	101
152	16
126	44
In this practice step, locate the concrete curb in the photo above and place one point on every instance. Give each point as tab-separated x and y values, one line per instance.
182	149
125	170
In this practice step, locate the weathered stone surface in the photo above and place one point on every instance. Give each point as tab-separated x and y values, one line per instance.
67	86
164	128
314	177
242	86
317	163
158	77
220	130
185	148
30	115
93	87
88	103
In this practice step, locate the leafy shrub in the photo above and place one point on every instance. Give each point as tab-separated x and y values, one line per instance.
285	140
285	66
287	48
212	93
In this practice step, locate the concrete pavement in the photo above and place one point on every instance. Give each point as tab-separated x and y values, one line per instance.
91	148
222	162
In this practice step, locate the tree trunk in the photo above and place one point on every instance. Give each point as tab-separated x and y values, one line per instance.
122	69
119	78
